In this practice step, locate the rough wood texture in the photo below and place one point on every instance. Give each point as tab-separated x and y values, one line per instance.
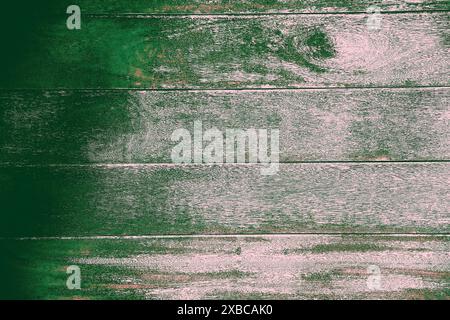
232	52
136	126
78	214
167	199
260	267
253	6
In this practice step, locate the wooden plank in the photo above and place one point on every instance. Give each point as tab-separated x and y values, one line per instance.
254	6
227	199
260	267
236	52
136	126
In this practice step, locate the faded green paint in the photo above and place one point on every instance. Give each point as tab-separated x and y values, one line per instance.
219	52
80	127
239	6
159	199
136	269
235	52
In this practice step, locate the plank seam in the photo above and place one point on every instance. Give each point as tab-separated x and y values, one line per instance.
143	15
231	89
212	236
142	165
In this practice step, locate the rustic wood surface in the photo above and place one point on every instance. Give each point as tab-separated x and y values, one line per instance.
136	126
86	176
177	199
258	267
239	6
238	52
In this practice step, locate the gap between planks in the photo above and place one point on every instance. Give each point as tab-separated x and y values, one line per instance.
181	165
255	89
237	235
137	15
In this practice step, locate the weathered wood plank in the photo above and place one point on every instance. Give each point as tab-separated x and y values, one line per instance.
261	267
236	52
254	6
136	126
177	199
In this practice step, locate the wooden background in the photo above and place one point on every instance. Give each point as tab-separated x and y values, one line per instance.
363	114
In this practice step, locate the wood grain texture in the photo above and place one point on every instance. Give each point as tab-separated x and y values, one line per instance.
197	199
260	267
136	126
237	52
254	6
69	188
